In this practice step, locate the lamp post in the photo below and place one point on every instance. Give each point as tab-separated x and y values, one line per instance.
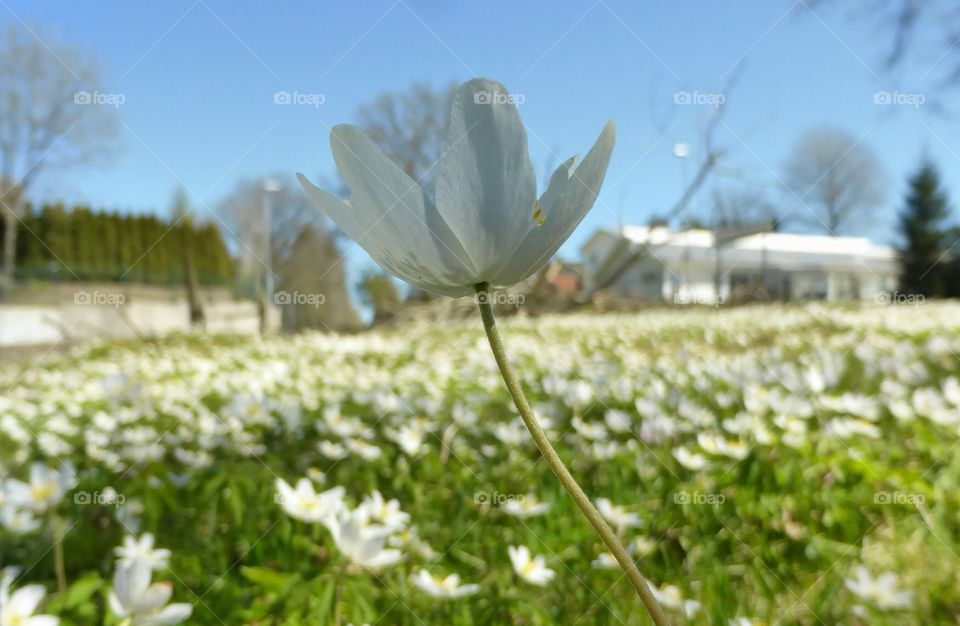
270	185
682	152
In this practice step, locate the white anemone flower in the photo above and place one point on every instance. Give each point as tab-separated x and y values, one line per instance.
410	439
690	460
605	560
46	487
363	543
438	587
384	512
18	608
141	603
617	515
305	504
486	225
527	506
671	597
18	521
532	569
882	591
618	421
142	548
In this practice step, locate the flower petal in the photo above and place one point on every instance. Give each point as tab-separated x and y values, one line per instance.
350	221
172	614
156	595
24	601
485	184
396	211
568	198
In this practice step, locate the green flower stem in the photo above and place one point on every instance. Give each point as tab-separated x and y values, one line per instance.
556	464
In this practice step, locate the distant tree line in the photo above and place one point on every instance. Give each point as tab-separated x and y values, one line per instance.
59	243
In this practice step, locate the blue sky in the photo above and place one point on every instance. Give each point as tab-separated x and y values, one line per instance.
198	79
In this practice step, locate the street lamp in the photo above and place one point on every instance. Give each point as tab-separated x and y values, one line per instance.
270	185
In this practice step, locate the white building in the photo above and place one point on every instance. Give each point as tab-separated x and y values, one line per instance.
689	266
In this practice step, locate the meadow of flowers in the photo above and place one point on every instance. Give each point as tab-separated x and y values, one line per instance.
791	465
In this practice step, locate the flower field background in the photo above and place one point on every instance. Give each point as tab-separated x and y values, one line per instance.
790	465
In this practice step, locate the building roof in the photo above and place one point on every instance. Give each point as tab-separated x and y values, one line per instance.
787	251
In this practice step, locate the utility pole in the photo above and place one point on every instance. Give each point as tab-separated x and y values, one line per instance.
270	185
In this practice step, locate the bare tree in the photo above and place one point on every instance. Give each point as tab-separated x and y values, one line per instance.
837	177
733	208
281	238
180	214
52	115
711	155
902	20
409	126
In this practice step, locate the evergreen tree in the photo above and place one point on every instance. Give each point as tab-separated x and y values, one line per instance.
923	232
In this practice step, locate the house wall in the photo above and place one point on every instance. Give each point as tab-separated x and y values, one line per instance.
686	275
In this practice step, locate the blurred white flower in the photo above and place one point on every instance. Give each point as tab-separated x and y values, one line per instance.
18	608
409	439
384	512
142	548
142	603
527	506
305	504
881	591
18	521
589	430
617	515
486	224
45	489
366	451
438	587
642	546
718	445
671	597
618	421
605	560
332	450
362	543
511	433
532	569
690	460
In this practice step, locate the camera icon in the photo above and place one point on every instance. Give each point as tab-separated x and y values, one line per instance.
282	97
482	97
481	497
881	497
481	297
682	97
282	297
882	97
883	298
82	497
82	97
681	497
82	297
